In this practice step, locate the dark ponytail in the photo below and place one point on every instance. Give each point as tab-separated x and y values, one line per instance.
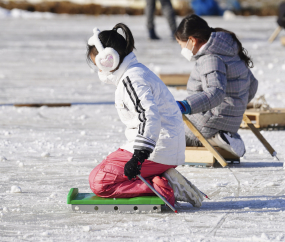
129	39
111	38
198	28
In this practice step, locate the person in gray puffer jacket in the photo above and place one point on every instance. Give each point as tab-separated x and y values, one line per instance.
220	86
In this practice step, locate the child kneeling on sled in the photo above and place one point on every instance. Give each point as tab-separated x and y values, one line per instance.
154	126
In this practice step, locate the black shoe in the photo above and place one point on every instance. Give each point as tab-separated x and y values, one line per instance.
152	34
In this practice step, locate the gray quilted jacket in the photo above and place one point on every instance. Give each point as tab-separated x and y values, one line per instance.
220	86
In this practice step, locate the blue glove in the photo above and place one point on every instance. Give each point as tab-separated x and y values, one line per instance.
184	107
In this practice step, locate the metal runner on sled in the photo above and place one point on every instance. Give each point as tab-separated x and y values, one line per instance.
89	202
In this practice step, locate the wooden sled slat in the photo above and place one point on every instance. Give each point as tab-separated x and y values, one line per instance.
263	119
177	80
200	156
282	39
37	105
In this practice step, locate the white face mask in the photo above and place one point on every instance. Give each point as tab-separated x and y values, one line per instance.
186	52
106	77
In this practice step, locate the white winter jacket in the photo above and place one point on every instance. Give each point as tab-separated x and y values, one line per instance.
148	109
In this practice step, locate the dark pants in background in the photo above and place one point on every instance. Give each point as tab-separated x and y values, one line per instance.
167	11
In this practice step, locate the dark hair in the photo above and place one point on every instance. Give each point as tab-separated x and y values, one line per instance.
111	38
198	28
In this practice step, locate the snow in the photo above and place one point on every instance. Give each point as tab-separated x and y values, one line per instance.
45	154
43	60
23	14
16	189
3	158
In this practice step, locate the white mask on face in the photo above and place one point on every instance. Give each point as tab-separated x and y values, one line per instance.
106	77
186	52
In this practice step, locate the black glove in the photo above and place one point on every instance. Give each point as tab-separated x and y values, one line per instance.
134	165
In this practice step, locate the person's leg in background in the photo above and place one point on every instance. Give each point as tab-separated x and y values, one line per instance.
169	13
150	12
193	141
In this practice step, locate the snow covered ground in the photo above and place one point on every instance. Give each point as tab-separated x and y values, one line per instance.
46	151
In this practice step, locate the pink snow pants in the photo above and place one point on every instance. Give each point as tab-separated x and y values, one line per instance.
107	179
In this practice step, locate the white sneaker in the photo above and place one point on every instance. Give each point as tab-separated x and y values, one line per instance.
230	142
183	189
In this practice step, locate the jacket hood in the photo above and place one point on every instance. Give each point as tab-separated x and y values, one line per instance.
219	43
129	60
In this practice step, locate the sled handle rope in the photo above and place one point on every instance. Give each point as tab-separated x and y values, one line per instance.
161	197
204	141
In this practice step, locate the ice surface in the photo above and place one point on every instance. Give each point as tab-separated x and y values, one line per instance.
16	189
43	60
45	154
3	158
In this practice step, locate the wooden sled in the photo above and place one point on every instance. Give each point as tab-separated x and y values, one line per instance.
175	80
200	156
208	155
275	117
